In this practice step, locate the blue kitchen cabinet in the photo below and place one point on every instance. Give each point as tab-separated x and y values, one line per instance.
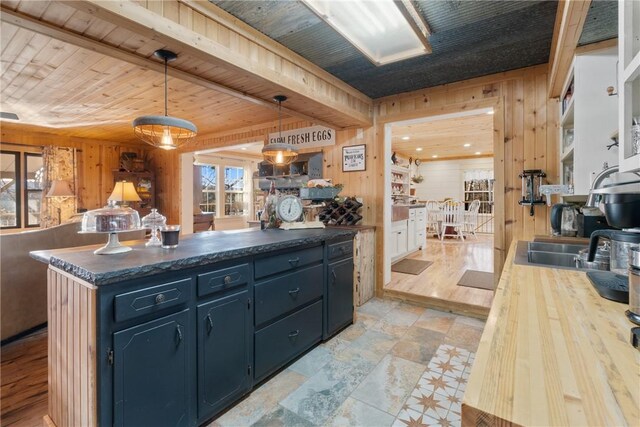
151	378
225	348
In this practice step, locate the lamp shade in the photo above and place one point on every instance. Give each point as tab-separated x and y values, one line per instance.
164	132
124	191
60	188
279	153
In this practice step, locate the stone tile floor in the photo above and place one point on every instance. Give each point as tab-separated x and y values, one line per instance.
398	365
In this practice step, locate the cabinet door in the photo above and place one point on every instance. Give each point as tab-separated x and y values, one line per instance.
411	235
225	346
402	242
339	295
151	378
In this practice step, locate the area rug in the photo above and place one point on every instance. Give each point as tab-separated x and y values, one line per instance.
477	279
411	266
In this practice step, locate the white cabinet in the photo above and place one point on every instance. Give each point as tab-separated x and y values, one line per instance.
629	83
411	231
398	240
417	228
589	116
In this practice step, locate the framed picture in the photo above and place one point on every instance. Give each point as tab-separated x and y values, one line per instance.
354	158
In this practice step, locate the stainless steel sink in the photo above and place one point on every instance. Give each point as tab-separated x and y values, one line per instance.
559	255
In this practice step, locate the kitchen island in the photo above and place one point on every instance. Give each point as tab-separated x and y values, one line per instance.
553	352
175	336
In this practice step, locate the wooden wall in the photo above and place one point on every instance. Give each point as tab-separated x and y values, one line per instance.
359	184
96	159
528	123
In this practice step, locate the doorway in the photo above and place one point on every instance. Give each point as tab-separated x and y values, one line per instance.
455	161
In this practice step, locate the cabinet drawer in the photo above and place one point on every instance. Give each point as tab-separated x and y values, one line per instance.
223	279
277	344
150	300
341	249
287	261
412	213
286	293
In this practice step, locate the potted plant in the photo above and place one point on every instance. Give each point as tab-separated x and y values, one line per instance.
417	179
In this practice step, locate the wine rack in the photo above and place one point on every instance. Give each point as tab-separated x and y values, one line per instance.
345	213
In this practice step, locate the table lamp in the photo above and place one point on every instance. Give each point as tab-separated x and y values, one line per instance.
60	189
124	192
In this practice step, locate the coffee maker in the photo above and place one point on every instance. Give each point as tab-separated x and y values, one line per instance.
621	206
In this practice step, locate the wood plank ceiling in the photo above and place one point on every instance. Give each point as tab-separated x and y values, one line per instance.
445	138
86	94
66	67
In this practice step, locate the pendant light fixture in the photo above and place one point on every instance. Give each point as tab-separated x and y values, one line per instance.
165	132
279	153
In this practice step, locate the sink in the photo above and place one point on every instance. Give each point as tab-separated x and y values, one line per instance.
559	255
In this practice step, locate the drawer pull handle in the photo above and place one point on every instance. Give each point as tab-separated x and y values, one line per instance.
178	334
294	261
294	292
333	274
294	333
160	298
227	280
209	324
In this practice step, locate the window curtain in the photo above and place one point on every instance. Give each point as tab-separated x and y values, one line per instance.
478	174
59	164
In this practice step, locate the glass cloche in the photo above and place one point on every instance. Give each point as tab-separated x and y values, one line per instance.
111	219
154	221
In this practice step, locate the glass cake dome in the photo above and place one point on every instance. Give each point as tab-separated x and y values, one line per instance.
111	219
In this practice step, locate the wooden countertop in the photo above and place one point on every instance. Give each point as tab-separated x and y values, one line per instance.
553	352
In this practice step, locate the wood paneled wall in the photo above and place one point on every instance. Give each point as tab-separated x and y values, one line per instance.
96	159
528	122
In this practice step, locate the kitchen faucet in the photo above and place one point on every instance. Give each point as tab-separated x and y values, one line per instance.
597	181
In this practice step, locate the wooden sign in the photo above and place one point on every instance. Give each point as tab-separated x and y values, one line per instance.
314	136
354	158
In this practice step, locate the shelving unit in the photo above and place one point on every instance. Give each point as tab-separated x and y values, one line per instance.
588	117
400	180
629	78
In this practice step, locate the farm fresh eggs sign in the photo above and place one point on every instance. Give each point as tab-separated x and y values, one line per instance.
314	136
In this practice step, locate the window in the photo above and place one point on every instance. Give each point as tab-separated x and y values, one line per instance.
20	193
33	179
10	190
234	191
209	186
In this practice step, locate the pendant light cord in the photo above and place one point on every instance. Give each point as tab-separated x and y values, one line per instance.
166	113
280	121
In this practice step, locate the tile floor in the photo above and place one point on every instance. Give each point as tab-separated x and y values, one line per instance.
398	365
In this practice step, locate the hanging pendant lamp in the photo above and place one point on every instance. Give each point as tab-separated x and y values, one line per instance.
279	153
165	132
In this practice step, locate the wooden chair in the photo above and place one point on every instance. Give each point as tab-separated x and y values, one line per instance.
452	216
433	213
471	218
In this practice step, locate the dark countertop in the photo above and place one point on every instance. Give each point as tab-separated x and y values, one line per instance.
194	250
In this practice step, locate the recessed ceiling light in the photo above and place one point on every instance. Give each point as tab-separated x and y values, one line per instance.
490	112
477	152
405	138
435	156
243	148
467	145
419	149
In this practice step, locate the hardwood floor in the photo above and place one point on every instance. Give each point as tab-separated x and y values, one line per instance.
437	285
23	371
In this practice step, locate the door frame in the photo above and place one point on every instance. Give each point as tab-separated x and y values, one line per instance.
462	109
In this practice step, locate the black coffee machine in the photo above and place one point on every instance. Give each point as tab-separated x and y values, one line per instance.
622	210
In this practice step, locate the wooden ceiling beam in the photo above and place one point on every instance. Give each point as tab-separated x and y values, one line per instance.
570	19
284	76
23	21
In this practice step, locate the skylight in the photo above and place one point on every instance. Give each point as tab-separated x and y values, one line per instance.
384	31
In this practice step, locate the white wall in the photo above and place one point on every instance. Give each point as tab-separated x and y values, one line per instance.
445	178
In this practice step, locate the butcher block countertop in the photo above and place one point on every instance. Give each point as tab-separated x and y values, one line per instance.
553	352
